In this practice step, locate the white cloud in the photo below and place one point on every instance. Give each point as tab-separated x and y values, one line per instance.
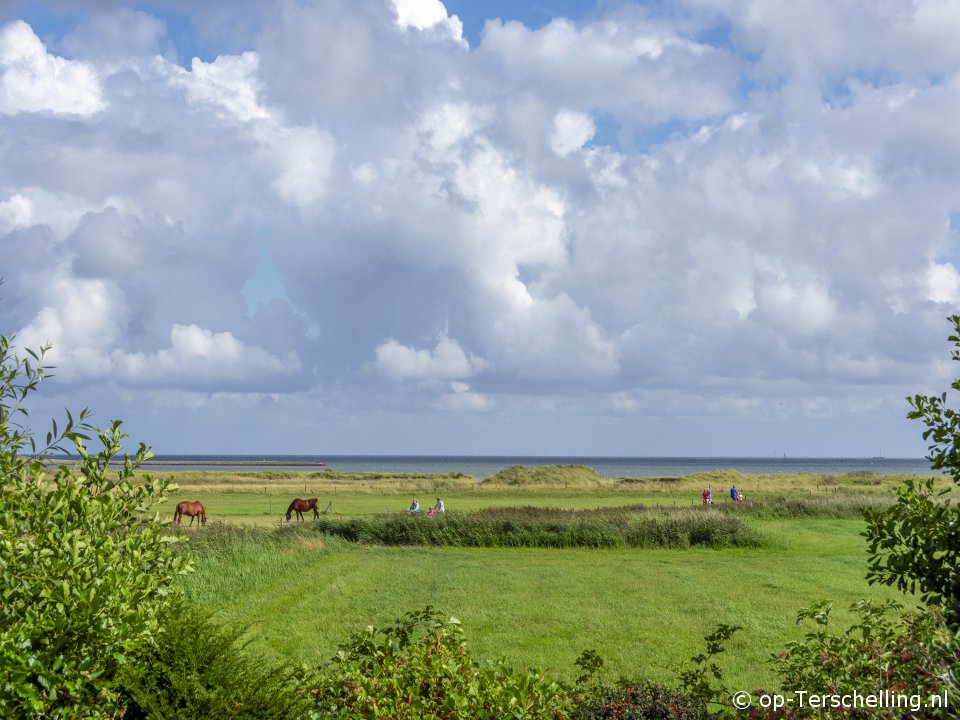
944	283
634	68
461	398
304	158
571	130
15	212
229	82
604	214
33	80
445	361
79	319
428	14
199	357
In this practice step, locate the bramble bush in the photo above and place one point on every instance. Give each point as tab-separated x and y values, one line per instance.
85	567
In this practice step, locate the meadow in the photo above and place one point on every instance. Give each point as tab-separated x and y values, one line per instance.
301	592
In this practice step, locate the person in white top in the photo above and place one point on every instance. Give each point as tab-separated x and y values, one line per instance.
439	506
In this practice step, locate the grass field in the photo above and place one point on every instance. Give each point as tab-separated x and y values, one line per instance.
301	593
261	498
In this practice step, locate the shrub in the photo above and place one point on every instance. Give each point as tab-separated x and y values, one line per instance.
916	542
640	701
194	669
884	651
84	567
420	669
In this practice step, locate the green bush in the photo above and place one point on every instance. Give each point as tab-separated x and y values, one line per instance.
885	650
915	543
192	668
84	566
419	669
640	701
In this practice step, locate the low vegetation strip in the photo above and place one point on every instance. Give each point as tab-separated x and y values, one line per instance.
840	506
548	528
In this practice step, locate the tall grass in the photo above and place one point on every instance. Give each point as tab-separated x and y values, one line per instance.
548	528
838	506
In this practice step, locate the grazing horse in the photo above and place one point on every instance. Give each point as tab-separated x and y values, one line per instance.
194	509
301	506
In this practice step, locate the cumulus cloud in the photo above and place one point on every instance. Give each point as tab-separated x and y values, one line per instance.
198	357
229	83
428	14
944	283
611	215
570	131
303	157
33	80
461	398
15	212
445	361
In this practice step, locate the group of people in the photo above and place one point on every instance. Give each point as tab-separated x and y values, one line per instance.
414	508
735	495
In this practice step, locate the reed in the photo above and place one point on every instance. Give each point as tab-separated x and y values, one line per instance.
549	528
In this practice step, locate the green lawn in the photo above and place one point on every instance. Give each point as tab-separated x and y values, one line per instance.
643	610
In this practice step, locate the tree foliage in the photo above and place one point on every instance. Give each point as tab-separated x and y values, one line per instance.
915	543
84	565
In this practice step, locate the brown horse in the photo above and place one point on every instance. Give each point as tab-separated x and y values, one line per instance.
194	509
301	506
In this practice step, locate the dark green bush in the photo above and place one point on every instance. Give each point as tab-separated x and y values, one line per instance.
419	669
640	701
193	668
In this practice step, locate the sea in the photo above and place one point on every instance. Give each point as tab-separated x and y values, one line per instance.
482	466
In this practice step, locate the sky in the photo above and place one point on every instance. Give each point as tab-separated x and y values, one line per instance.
695	228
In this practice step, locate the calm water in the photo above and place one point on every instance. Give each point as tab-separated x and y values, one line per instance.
484	466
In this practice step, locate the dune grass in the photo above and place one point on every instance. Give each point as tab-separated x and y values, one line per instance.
643	610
